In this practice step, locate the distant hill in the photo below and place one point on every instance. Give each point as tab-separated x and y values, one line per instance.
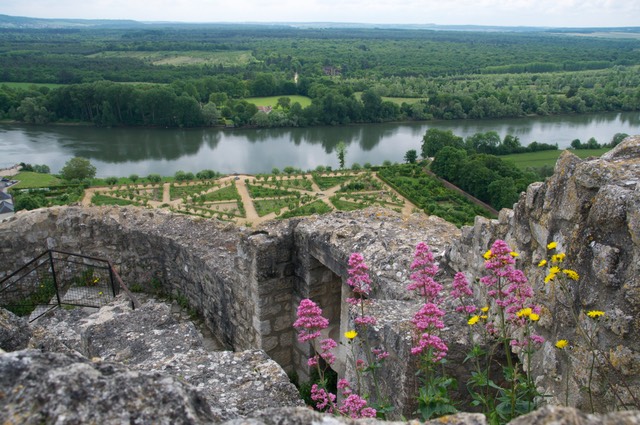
7	21
14	22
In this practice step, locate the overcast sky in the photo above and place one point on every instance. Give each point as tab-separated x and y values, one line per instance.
568	13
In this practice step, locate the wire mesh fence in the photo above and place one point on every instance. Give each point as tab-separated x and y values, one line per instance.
58	278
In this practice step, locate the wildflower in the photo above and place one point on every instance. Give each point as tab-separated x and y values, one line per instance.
487	255
425	269
380	354
571	274
534	317
427	342
359	278
558	258
552	245
542	263
525	312
514	254
594	314
310	321
365	320
562	343
327	345
428	317
484	309
350	334
323	398
473	320
484	317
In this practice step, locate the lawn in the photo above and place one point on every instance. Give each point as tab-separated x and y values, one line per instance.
30	179
547	158
304	101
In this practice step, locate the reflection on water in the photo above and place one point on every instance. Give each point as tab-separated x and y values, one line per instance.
123	151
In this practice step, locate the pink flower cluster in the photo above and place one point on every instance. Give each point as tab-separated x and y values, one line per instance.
359	278
425	270
428	320
463	292
509	288
310	321
353	405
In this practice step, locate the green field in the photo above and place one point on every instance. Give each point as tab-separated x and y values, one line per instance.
397	100
25	86
30	179
547	158
304	101
178	58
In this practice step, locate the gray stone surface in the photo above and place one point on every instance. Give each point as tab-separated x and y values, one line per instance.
14	331
46	388
592	209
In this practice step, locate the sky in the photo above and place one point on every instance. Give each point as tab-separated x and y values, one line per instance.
551	13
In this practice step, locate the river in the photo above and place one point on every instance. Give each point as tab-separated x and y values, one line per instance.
125	151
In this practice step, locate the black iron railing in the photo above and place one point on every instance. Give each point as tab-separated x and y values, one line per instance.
56	279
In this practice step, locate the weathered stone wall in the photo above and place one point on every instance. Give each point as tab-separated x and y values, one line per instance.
196	259
592	209
247	284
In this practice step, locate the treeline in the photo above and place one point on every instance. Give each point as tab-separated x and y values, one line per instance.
435	140
348	74
221	99
44	56
472	164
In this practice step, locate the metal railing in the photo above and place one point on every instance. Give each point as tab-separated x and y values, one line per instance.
56	279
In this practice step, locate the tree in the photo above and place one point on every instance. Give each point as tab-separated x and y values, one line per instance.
411	156
435	139
111	180
78	168
154	178
134	177
449	163
617	138
341	151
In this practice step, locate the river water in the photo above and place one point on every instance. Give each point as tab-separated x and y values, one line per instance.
125	151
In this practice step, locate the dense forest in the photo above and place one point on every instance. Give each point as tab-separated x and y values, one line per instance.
206	75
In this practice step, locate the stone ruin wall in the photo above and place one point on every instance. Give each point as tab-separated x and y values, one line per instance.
247	283
591	208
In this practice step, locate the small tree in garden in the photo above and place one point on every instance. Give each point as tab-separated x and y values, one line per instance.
78	168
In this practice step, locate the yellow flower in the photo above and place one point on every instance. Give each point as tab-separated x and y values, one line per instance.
487	255
484	309
562	343
542	263
514	254
524	312
350	334
571	274
534	317
594	314
473	320
484	317
552	245
554	270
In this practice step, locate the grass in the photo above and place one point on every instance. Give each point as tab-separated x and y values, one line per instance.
326	182
178	58
272	101
397	100
227	193
547	158
266	192
267	206
183	191
29	179
108	200
316	207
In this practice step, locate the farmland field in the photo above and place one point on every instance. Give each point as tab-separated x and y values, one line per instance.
184	58
547	158
304	101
